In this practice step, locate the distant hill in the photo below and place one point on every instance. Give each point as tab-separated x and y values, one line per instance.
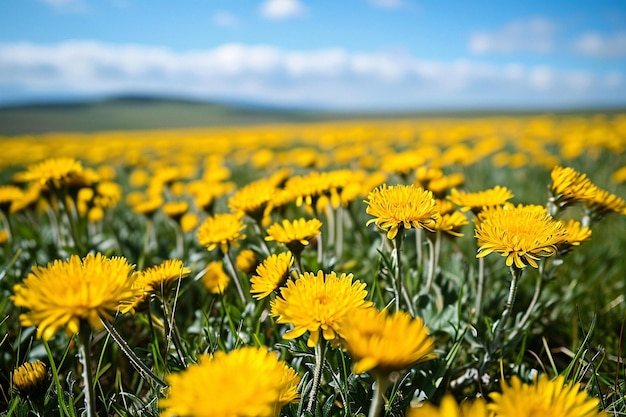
145	112
136	112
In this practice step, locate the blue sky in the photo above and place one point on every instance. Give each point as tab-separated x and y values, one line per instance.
350	54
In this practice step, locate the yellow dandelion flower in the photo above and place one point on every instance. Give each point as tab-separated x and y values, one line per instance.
64	293
522	234
30	379
450	223
148	207
271	274
245	382
175	209
402	163
246	261
253	199
440	186
383	342
445	206
108	194
603	203
543	398
221	230
9	194
295	235
450	408
401	207
53	172
215	279
576	234
317	303
188	222
4	236
160	277
28	199
475	202
569	187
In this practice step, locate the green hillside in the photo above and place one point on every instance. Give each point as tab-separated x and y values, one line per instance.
135	113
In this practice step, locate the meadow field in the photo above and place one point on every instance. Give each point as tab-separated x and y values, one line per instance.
339	268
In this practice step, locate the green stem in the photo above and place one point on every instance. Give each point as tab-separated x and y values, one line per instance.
317	373
172	330
480	289
516	273
399	284
531	307
84	354
143	370
434	259
339	238
418	248
235	277
379	400
259	228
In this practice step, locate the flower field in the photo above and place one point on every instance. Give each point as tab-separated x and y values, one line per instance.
429	267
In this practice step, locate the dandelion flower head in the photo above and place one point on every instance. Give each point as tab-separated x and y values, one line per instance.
53	172
401	206
520	233
215	279
296	234
30	378
317	303
543	398
253	199
161	276
64	293
245	382
383	342
475	202
221	230
271	274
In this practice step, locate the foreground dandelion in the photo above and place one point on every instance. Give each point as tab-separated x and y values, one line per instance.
318	303
66	293
543	398
450	408
520	233
382	343
245	382
271	274
78	294
401	207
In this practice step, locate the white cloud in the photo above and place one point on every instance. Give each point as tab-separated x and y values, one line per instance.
599	46
282	9
329	77
535	35
224	18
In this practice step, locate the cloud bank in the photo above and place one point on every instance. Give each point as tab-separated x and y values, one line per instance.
331	78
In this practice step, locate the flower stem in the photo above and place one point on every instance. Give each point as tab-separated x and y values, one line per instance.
317	373
142	258
145	372
516	273
480	289
235	277
434	259
399	284
339	235
84	354
259	228
378	401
